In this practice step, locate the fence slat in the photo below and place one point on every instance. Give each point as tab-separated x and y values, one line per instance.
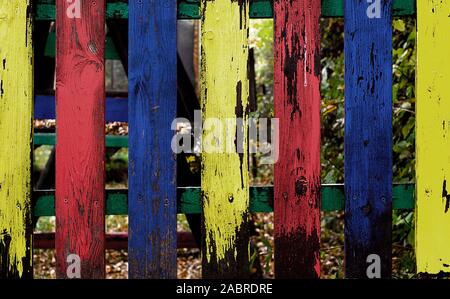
225	182
297	106
368	137
80	97
16	134
152	108
433	138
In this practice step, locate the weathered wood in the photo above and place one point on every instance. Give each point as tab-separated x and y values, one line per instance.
335	8
433	138
190	9
297	106
111	52
152	163
261	200
80	97
115	141
225	180
16	138
116	108
117	241
368	137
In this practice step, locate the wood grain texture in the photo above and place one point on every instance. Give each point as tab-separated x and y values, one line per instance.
297	106
225	181
80	110
433	138
111	52
190	9
116	108
115	241
368	137
16	138
152	164
261	200
115	141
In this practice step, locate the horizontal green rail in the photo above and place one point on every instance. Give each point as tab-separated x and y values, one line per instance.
190	9
333	198
261	200
50	139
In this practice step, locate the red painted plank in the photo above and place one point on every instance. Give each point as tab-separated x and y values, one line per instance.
80	112
297	106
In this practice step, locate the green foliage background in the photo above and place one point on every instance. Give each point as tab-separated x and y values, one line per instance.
332	93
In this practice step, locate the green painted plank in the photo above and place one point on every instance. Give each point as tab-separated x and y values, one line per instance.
403	196
117	10
261	200
44	204
117	202
404	8
335	198
262	197
260	9
44	139
189	200
332	8
190	9
50	139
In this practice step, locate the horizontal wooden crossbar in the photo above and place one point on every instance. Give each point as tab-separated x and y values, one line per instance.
50	139
116	108
117	241
190	9
110	48
261	200
333	197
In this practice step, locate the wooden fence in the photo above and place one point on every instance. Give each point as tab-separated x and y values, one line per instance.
225	197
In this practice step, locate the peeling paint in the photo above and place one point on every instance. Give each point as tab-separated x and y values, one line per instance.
432	138
368	138
16	104
225	94
297	106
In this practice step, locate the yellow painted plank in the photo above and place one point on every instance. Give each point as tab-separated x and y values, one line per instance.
16	105
433	137
225	92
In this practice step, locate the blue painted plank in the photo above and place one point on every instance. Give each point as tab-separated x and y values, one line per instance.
44	107
116	108
368	137
152	108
